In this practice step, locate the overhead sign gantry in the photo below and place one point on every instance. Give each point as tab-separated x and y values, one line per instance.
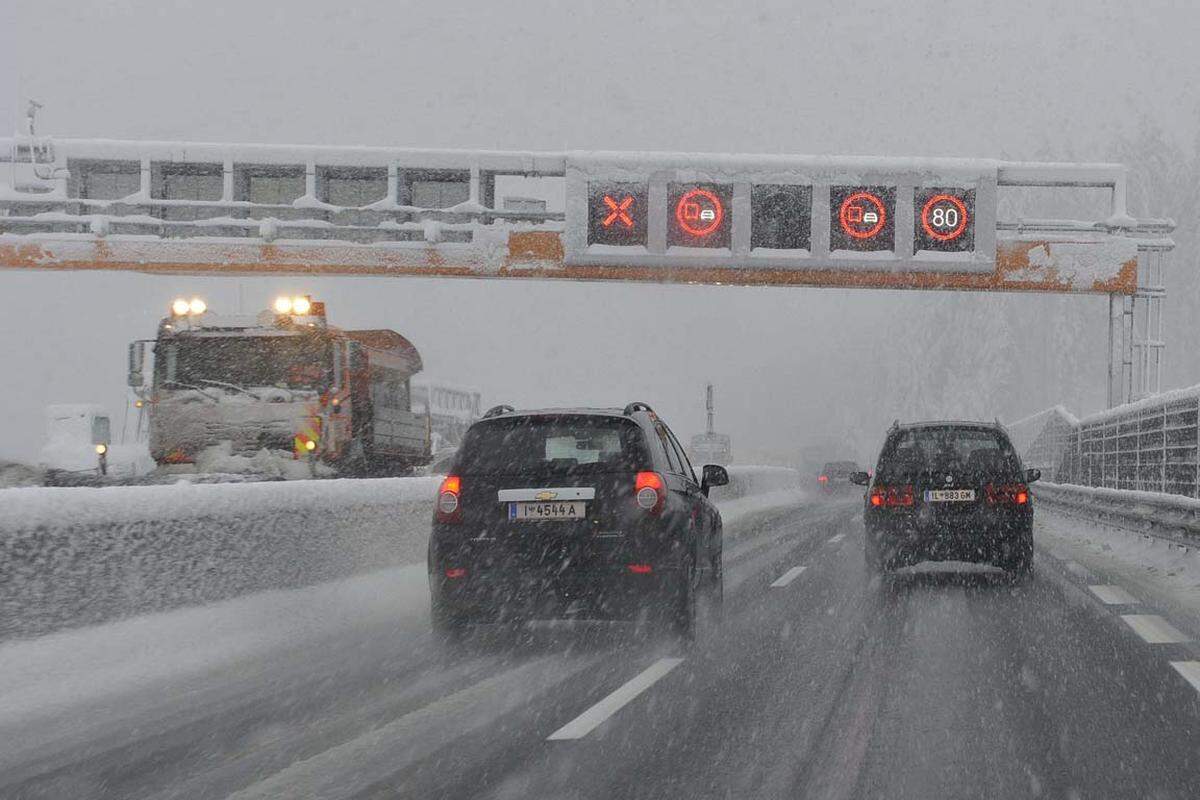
664	217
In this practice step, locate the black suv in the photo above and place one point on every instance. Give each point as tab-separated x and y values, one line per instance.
949	491
580	513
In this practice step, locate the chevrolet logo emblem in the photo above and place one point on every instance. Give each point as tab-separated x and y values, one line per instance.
547	495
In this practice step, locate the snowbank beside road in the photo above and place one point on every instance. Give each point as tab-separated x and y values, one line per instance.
1154	570
82	556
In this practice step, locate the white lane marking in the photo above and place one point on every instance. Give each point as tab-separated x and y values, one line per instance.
354	765
1190	670
1153	628
1113	595
836	539
787	577
589	720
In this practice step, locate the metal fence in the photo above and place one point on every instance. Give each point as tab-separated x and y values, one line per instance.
1152	445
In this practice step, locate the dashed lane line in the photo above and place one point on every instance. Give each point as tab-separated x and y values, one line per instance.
787	577
1154	629
1190	670
589	720
837	539
352	766
1113	595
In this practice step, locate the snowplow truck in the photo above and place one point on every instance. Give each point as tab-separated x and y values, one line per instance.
282	381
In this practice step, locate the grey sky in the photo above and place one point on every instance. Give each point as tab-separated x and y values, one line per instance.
1019	79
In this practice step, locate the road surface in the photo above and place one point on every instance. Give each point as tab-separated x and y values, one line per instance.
817	682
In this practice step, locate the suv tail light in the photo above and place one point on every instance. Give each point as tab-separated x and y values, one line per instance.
1005	494
892	496
650	491
449	506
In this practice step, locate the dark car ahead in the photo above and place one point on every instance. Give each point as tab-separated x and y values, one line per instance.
834	477
580	513
949	491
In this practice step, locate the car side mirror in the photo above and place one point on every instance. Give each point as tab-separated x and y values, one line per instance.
860	478
1032	475
714	475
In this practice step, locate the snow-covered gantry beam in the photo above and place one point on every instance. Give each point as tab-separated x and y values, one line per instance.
662	217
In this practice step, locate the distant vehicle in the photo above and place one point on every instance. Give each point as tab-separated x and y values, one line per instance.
835	476
282	381
949	491
76	435
451	410
574	512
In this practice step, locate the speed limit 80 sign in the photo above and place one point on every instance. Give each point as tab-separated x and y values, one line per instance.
944	220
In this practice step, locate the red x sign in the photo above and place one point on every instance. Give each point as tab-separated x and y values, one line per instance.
618	212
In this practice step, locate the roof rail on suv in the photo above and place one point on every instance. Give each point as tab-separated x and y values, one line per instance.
496	411
637	405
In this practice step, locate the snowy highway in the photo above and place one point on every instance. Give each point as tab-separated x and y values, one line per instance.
818	682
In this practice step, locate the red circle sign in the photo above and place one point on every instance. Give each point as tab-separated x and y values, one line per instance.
862	215
699	212
944	217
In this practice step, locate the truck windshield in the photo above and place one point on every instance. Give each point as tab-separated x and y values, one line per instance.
295	362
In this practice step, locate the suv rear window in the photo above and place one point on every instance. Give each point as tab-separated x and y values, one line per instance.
947	449
567	443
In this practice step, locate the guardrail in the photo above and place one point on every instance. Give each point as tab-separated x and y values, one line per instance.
81	556
1163	516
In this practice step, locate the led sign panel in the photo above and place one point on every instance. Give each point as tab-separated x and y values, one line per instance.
944	220
699	215
780	217
862	218
617	214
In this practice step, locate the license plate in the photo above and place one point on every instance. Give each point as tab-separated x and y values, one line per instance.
949	495
531	512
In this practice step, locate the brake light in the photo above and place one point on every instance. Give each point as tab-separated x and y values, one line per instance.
892	496
823	479
650	491
1016	494
456	572
641	569
449	508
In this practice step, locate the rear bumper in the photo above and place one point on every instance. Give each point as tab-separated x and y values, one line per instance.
613	593
989	541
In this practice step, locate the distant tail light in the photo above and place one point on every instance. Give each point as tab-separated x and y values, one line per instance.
892	496
449	505
1010	494
650	491
823	479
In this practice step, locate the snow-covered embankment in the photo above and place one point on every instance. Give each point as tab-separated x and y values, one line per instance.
80	556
